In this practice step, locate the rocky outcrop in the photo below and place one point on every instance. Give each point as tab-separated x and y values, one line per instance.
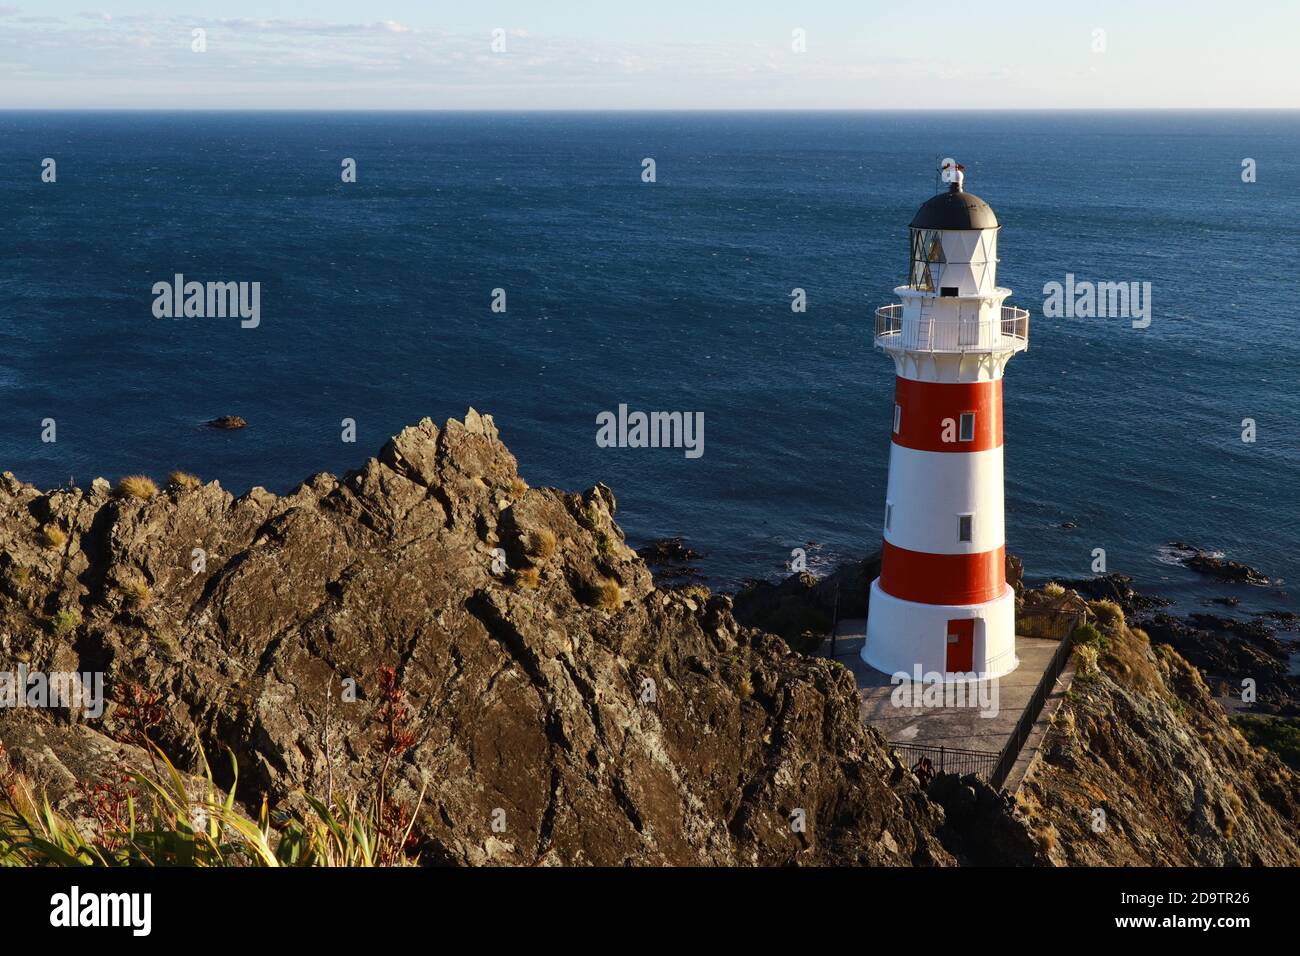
1114	587
564	709
1217	566
1227	651
1142	767
672	561
801	608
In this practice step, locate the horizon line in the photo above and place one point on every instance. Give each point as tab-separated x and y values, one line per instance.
639	109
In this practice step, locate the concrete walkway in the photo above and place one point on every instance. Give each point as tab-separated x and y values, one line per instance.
984	723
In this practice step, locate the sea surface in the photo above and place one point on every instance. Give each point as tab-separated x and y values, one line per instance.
672	295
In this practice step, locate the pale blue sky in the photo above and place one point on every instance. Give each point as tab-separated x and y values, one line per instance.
655	54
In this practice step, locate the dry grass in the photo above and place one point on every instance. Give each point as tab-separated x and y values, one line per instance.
1053	590
527	578
607	593
1046	838
1110	617
518	487
539	544
52	536
184	481
137	594
1065	722
137	486
1085	660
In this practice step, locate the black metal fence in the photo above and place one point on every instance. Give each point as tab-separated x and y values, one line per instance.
949	759
1049	622
1025	725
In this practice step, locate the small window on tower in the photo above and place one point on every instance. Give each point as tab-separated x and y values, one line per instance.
964	527
967	426
898	417
889	514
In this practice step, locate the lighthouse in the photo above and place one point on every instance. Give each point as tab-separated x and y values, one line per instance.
942	602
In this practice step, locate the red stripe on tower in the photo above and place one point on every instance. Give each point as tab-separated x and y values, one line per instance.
943	578
930	415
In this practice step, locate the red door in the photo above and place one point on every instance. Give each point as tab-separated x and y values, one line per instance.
961	645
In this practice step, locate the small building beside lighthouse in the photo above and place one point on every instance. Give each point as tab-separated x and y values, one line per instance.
942	602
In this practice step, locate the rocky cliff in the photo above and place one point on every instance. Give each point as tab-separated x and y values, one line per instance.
1143	768
563	709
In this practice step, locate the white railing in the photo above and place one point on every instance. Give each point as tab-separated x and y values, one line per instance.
1010	333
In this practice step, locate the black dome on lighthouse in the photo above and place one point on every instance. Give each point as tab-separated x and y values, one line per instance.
955	209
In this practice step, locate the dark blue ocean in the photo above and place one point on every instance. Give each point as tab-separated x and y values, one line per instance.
666	296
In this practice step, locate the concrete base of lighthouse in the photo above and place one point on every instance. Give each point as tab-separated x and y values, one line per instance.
903	635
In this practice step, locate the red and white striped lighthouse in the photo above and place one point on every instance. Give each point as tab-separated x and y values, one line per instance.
942	601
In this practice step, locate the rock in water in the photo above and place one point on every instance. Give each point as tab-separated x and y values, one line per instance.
228	422
1114	587
1217	566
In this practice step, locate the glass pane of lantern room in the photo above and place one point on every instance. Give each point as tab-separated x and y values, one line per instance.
935	253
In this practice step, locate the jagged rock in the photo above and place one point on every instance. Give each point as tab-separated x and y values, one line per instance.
1143	768
228	422
651	729
802	605
980	825
1015	570
1114	587
1227	651
670	560
646	726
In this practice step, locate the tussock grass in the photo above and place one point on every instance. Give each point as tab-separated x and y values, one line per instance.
1047	838
184	481
1278	734
163	818
1085	656
607	593
527	578
539	544
1053	590
1109	615
137	486
52	536
137	594
745	687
